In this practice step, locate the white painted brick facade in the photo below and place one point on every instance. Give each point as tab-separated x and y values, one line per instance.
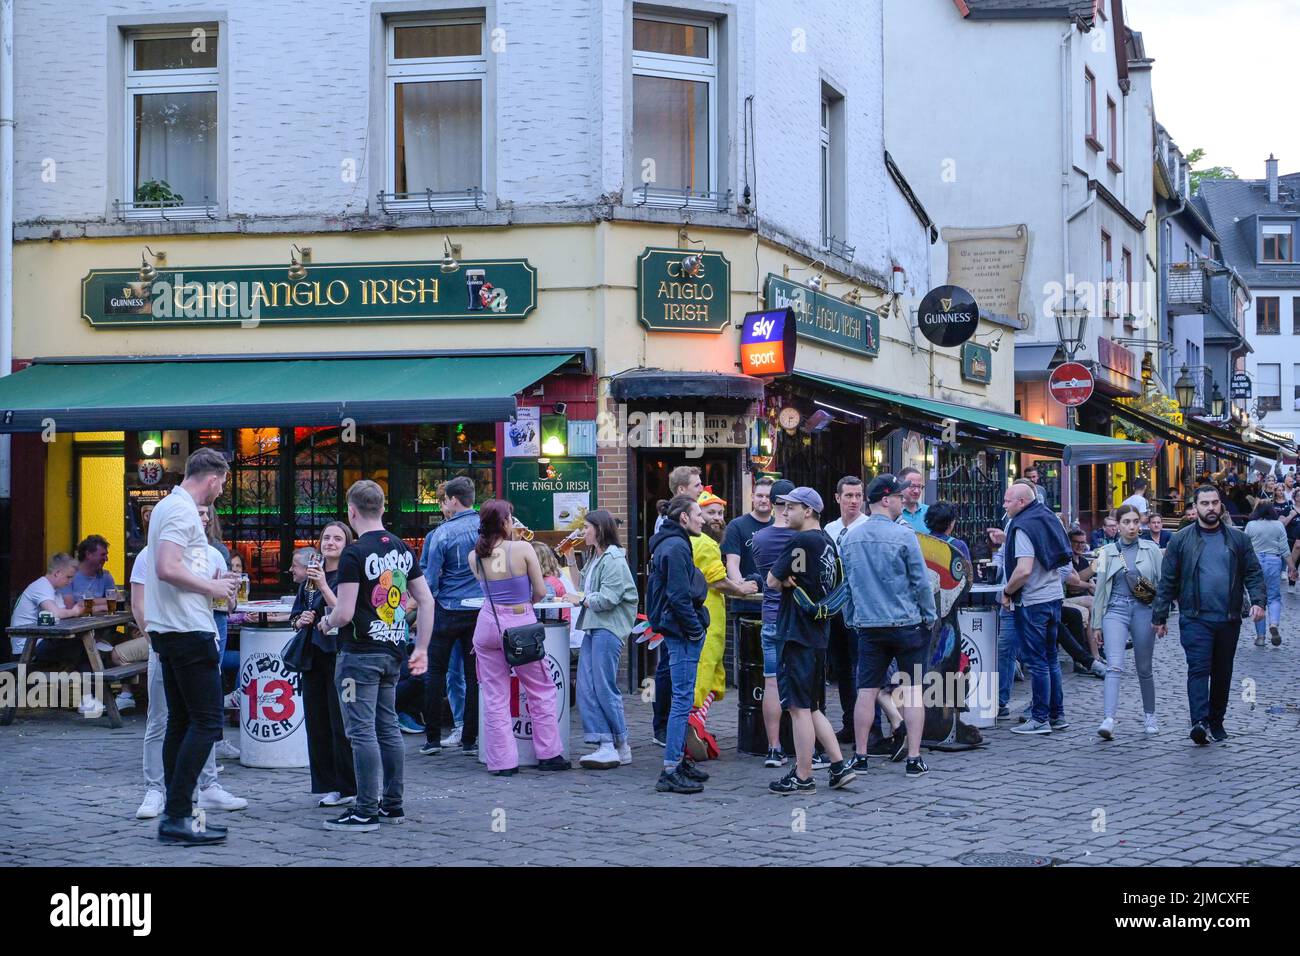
298	84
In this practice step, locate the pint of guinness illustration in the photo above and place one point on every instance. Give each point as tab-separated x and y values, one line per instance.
474	279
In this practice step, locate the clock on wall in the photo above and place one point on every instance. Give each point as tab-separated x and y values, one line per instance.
789	418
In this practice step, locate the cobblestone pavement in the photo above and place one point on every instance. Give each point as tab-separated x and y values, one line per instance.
69	789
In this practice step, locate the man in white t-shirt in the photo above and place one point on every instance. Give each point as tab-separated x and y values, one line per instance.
42	595
179	588
842	651
1139	497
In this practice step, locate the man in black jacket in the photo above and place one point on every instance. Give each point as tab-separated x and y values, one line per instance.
1207	566
675	594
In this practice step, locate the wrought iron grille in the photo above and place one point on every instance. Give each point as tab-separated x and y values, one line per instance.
975	491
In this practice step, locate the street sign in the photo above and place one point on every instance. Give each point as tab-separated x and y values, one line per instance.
1240	386
948	315
1070	384
767	343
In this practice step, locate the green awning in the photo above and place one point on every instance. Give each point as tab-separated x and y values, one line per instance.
1075	447
184	393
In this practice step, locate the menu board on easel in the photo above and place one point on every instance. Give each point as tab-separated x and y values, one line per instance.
556	500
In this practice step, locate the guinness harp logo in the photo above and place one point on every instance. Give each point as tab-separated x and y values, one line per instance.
947	304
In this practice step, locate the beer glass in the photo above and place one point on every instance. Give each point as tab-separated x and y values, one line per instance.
522	531
243	589
87	604
312	563
112	598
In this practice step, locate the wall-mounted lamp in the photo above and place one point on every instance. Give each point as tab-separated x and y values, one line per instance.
450	250
815	281
299	259
553	446
148	272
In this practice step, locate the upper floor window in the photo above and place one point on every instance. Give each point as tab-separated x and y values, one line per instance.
1277	242
1090	110
1129	304
831	161
1267	316
435	73
1268	380
1295	319
1112	133
674	102
1108	275
172	80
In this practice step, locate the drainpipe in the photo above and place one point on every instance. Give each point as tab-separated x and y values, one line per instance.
1068	480
6	215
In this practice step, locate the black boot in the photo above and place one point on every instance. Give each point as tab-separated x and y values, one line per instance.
184	830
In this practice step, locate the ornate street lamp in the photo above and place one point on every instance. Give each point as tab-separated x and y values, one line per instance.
1185	388
1071	327
1216	403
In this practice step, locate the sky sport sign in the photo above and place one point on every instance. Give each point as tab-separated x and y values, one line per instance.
1070	384
948	316
767	342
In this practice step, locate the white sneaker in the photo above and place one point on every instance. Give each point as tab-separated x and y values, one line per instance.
624	753
604	757
152	805
453	738
226	750
1149	724
125	701
91	707
217	798
336	799
1107	729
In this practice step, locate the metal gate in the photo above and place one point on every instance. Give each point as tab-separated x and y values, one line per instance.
973	483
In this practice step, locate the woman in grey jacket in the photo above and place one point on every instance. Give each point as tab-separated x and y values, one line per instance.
1118	614
1267	536
607	614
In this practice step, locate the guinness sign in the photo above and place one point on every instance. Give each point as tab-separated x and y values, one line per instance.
948	315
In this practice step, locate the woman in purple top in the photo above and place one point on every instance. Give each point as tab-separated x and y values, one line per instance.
512	581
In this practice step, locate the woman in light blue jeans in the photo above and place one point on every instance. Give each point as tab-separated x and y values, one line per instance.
607	614
1268	537
1118	615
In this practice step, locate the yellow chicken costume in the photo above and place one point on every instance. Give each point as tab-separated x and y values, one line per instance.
711	677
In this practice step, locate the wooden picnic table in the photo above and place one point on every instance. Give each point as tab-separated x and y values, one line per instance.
77	628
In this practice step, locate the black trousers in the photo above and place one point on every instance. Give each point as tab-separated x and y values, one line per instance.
451	627
1074	636
328	751
842	657
192	685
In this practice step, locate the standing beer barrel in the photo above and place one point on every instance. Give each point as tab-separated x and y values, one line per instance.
751	736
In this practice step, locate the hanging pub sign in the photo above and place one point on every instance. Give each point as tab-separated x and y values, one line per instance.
976	363
830	321
767	342
1240	387
679	290
949	315
557	500
248	296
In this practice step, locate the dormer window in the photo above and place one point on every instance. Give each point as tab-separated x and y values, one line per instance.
1277	242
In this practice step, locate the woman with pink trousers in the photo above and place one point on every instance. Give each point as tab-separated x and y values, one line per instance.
512	580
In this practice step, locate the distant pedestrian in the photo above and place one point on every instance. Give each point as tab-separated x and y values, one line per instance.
914	509
768	545
1267	536
682	480
1156	530
1138	500
940	518
1207	569
1108	533
842	651
1031	474
738	542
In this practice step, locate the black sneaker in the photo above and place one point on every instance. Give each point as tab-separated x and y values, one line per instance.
1200	733
351	821
691	771
843	776
1004	713
431	748
391	816
1275	635
469	750
898	745
858	762
775	758
554	763
508	772
674	782
820	761
916	767
1218	732
792	784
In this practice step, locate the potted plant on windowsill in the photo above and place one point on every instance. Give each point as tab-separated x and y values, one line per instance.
158	192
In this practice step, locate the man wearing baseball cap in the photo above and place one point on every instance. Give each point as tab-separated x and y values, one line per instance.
891	612
767	546
808	563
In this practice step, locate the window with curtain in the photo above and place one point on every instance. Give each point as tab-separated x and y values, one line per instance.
435	73
1267	315
1268	386
1277	242
171	90
674	76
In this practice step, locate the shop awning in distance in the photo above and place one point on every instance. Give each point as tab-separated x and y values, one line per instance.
221	393
1193	433
998	428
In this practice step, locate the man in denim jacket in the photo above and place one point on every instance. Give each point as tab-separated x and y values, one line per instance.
891	612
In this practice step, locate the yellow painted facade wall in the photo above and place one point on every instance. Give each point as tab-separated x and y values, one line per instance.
59	530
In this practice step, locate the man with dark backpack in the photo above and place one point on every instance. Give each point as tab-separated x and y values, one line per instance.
809	575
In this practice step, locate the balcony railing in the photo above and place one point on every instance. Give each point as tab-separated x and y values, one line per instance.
1189	288
682	198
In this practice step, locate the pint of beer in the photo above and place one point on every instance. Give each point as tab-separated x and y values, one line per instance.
88	605
243	589
568	544
522	531
111	597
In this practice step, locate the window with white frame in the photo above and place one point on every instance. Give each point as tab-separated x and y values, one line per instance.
172	79
1295	388
1268	386
825	163
832	163
436	74
674	106
1276	241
